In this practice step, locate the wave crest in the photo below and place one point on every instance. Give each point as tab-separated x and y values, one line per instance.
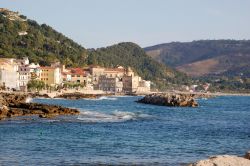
103	98
115	116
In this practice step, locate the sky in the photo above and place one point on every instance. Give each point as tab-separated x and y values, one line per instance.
100	23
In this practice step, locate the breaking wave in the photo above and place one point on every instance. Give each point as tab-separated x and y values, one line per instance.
103	98
28	100
115	116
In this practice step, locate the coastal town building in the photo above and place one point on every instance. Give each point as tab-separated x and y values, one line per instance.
51	75
110	84
96	72
24	73
130	83
78	75
16	73
9	76
24	77
119	71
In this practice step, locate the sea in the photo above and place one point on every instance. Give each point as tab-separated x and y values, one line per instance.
119	131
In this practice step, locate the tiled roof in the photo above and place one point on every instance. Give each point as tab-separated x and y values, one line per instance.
47	67
114	70
77	71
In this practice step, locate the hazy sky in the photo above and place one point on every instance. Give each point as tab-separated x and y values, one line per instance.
98	23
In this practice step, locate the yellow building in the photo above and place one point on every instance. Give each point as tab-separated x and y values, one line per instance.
51	75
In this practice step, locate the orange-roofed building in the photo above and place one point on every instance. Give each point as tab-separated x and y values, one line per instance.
79	75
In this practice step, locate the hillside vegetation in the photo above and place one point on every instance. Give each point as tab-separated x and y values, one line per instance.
20	37
41	43
130	54
205	57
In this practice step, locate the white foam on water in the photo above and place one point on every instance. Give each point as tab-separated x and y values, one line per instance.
121	96
115	116
103	98
28	100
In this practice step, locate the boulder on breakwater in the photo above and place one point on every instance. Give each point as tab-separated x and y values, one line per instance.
12	105
174	100
223	160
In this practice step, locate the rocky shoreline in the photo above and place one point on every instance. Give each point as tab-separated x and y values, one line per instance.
12	105
171	100
224	160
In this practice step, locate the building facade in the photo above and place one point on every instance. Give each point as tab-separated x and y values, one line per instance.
110	84
24	77
9	76
51	75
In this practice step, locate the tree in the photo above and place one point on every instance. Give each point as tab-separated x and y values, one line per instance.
36	85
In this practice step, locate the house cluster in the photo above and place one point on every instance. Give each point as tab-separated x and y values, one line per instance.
16	73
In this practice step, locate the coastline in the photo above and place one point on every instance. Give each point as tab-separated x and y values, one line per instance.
186	163
13	105
98	93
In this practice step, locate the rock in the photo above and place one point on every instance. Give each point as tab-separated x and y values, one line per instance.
39	95
247	155
15	105
46	116
77	95
224	160
175	100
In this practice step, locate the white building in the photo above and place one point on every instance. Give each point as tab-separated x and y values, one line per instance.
24	76
109	84
9	76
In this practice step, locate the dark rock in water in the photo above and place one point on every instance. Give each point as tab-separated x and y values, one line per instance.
77	95
174	100
39	95
12	105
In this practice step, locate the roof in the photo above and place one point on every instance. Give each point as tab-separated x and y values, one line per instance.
47	67
77	71
114	70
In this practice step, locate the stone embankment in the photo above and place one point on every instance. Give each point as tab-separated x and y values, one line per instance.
12	105
174	100
224	160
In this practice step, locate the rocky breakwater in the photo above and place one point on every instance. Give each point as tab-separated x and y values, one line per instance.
75	96
174	100
12	105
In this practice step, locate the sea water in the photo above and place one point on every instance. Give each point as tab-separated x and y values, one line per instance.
119	131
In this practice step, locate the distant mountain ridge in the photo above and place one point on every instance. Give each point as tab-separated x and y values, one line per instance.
205	57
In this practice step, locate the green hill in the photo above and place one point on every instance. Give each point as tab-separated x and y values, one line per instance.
20	37
130	54
41	43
